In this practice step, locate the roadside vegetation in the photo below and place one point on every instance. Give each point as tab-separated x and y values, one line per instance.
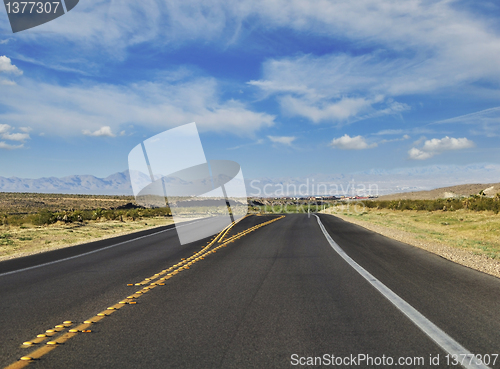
47	217
471	224
474	203
32	223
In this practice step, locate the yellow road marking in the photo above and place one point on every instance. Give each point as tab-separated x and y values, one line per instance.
48	333
83	328
183	261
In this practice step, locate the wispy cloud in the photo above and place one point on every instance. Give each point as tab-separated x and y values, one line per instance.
65	65
403	138
347	142
101	132
7	82
284	140
16	136
159	104
258	142
435	31
436	146
319	111
415	47
7	146
487	121
109	29
479	117
340	86
408	57
389	132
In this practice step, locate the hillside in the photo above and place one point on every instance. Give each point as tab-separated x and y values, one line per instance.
464	190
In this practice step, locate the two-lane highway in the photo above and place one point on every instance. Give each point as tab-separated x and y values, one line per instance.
275	297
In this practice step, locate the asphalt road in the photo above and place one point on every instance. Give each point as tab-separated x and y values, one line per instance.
270	299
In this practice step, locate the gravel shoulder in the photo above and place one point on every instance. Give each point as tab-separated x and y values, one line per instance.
464	257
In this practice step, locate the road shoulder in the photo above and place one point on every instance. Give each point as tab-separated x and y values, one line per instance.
463	257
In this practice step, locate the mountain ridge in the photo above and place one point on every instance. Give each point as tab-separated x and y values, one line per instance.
385	181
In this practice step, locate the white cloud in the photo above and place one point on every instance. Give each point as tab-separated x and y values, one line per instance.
347	142
7	135
447	143
417	154
4	128
435	31
6	66
110	28
4	41
101	132
67	110
6	146
284	140
347	86
341	110
430	46
436	146
402	23
16	136
420	48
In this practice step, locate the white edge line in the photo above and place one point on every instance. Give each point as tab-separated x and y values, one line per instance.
94	251
447	343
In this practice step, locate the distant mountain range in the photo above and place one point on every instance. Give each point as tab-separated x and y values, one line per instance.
116	184
374	182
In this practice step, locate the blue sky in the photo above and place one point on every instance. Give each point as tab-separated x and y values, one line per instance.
285	88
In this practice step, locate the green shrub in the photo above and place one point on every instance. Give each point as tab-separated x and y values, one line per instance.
475	203
44	217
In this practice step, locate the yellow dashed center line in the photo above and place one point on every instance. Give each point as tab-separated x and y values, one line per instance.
160	278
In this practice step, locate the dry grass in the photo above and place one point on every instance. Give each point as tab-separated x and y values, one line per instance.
34	202
27	240
463	236
478	232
